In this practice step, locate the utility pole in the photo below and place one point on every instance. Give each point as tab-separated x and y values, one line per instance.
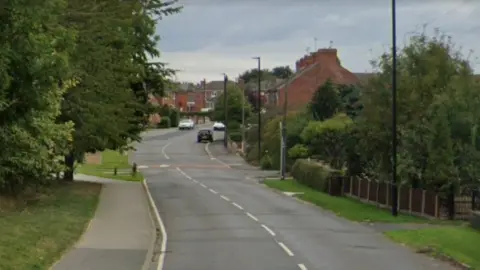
394	111
284	131
225	108
243	120
259	106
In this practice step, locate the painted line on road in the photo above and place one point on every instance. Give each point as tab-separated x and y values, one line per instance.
302	266
163	150
142	167
252	216
195	181
225	198
237	205
209	153
163	231
213	191
184	174
285	248
203	185
268	230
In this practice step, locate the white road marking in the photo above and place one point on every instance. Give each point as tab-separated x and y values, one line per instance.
163	231
238	206
213	191
209	153
286	249
302	266
163	150
142	167
252	216
195	181
268	230
225	198
184	174
203	185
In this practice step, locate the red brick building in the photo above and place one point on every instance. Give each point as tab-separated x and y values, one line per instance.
312	71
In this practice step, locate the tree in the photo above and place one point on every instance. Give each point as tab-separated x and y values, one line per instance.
251	75
33	76
109	105
282	72
438	111
325	102
235	100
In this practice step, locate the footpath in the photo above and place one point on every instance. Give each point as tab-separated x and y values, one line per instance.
121	234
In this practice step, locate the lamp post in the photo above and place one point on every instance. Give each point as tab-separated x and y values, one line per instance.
284	131
225	109
394	112
259	105
243	121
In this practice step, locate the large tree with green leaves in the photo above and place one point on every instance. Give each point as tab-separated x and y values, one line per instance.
34	49
235	102
438	114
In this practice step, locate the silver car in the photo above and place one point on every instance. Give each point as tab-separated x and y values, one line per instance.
186	124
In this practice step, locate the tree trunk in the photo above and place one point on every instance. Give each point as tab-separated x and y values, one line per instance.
69	163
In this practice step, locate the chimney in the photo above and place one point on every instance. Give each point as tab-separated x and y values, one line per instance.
297	65
326	56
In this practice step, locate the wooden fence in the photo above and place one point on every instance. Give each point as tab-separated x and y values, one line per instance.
413	201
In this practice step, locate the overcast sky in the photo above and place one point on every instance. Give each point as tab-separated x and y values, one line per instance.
211	37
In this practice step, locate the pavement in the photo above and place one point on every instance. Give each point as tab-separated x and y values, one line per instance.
217	217
119	236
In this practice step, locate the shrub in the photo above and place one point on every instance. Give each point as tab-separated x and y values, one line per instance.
233	126
298	151
312	174
164	123
174	118
266	162
236	136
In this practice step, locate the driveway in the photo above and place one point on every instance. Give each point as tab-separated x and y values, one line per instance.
218	217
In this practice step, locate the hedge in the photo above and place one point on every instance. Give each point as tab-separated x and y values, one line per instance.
312	174
236	136
164	123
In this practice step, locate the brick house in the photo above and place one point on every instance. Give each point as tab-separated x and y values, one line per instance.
312	71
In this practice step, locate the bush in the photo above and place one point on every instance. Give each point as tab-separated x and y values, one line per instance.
233	126
312	174
164	123
236	136
266	162
298	151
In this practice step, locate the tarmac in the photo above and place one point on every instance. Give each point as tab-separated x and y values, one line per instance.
121	234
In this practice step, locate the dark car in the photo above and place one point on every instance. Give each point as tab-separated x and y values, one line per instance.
205	135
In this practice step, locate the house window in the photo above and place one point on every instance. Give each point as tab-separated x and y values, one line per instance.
191	98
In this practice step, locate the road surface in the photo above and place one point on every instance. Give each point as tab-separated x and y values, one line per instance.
218	217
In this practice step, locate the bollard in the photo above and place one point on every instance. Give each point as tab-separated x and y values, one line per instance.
134	169
115	171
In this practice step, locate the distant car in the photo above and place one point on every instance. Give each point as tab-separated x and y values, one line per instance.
218	126
205	135
186	124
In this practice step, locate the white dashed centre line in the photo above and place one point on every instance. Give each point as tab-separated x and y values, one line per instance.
203	185
225	198
285	248
195	181
213	191
238	206
252	216
302	266
268	230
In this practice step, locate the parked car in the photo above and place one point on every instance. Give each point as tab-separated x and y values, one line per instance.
218	126
205	135
186	124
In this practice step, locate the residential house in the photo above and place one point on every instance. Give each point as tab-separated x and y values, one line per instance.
312	71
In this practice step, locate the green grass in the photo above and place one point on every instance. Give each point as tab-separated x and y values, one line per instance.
460	242
342	206
34	235
110	160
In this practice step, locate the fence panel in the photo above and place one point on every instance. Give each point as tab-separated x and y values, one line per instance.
388	188
372	195
346	185
382	193
404	198
417	200
363	188
430	203
355	186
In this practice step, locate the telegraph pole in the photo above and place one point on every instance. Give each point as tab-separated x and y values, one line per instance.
284	131
394	112
259	106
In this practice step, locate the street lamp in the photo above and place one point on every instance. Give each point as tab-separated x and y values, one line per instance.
225	108
259	105
284	131
394	112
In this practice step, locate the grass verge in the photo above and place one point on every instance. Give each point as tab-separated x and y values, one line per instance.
110	160
35	235
342	206
459	243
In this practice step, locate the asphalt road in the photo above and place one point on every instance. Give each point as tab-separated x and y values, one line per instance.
218	217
